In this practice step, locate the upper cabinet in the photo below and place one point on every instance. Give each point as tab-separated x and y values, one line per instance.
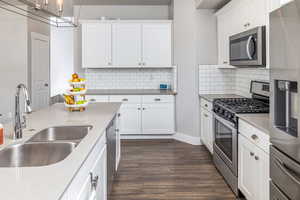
157	45
236	17
96	45
127	44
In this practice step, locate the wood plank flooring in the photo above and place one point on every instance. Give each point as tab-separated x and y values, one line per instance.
167	170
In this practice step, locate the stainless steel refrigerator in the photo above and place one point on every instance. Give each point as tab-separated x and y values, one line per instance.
285	102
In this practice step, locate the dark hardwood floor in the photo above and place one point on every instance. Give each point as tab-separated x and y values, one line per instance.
167	170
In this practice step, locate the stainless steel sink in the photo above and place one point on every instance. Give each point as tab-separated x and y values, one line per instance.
35	154
62	133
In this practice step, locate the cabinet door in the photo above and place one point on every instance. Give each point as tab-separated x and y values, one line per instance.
158	118
127	44
207	136
96	45
248	169
130	119
157	45
263	164
98	177
86	190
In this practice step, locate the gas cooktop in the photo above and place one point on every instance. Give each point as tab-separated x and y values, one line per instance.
241	105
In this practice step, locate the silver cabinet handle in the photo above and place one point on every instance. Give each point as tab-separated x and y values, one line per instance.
225	62
254	137
94	181
287	171
157	99
256	158
125	99
144	108
251	154
46	84
205	115
92	100
206	105
139	108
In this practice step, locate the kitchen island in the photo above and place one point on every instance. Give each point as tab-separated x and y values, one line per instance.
53	182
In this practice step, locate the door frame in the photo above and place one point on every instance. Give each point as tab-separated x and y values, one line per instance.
38	36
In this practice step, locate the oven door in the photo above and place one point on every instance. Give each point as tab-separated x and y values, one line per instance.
226	142
248	48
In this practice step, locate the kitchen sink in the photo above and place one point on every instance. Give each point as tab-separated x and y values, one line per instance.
35	154
61	133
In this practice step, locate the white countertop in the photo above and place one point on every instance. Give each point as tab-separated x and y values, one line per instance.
50	182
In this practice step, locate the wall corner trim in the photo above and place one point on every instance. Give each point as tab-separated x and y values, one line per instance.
187	139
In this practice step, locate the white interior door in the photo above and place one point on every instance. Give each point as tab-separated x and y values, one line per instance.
127	44
40	71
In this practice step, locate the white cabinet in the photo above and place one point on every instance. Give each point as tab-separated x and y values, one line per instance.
206	124
157	45
127	44
158	118
237	16
207	129
90	181
96	45
146	114
253	170
130	119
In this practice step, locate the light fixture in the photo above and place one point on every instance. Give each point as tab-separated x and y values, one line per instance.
60	6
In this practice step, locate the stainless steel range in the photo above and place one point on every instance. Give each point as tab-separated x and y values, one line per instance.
226	128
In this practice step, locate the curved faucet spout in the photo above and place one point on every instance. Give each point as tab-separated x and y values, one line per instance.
19	125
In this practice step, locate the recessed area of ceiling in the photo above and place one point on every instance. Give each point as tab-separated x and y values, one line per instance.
122	2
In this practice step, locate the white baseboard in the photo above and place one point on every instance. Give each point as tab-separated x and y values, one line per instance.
145	137
177	136
187	139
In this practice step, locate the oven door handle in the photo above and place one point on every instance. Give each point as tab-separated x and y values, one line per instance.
225	122
286	170
248	47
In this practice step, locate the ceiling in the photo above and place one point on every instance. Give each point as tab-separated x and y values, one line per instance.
122	2
212	4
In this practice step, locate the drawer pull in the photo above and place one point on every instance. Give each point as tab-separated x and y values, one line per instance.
205	115
92	100
125	99
256	158
251	154
206	105
157	99
254	137
144	108
94	181
139	108
287	171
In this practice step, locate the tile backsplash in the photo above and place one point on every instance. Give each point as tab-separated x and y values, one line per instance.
216	80
128	78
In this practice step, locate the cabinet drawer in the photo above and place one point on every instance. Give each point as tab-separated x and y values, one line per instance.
125	99
97	98
256	136
206	104
158	99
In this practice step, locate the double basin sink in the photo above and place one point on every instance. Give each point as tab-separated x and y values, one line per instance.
47	147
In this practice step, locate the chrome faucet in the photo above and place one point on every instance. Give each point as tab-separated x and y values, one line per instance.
19	124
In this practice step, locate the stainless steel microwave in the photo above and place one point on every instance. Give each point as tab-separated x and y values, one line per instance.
248	49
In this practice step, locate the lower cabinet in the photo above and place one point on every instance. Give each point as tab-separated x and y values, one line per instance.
90	183
207	134
158	118
253	170
130	118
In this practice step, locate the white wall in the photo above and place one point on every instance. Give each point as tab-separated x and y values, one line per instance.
62	59
122	12
195	42
13	58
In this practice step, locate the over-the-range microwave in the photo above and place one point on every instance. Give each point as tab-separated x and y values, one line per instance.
248	49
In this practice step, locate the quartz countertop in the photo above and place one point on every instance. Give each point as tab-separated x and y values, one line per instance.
260	121
50	182
211	97
129	92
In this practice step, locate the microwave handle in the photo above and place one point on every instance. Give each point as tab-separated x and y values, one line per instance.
248	47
